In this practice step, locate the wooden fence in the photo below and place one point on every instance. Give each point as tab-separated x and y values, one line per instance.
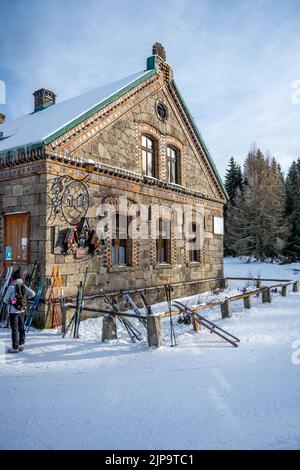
154	330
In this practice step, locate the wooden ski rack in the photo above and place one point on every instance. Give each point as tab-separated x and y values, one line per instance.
154	331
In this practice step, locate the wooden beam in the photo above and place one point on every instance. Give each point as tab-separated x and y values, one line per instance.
284	290
296	286
257	279
226	309
154	332
266	295
247	302
109	328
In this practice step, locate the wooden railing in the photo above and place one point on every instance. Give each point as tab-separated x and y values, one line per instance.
154	330
225	303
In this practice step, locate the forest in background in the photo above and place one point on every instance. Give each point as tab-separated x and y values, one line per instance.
262	216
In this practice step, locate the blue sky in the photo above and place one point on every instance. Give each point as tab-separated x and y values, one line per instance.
234	61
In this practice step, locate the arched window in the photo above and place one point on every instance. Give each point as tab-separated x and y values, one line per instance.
173	165
148	155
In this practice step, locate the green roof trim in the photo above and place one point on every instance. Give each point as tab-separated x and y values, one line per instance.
198	134
43	106
101	105
151	62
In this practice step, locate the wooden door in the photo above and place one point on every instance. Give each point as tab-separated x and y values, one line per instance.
16	238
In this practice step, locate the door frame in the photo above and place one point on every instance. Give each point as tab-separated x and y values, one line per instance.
14	262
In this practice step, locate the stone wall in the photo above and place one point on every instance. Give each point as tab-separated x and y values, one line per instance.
119	145
27	194
146	272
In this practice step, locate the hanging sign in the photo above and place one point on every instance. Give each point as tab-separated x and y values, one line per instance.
8	253
218	226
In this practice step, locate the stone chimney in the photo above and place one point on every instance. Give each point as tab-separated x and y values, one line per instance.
43	99
2	118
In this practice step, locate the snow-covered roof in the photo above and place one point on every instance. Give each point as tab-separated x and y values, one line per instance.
36	127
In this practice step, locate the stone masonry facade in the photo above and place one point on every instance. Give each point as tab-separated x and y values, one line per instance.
115	148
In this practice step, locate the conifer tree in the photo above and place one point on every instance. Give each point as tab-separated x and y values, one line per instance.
293	210
233	178
255	218
233	182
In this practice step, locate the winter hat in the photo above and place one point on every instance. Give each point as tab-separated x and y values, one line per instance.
16	275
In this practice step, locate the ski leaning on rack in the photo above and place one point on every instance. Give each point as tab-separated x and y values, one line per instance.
133	333
3	307
134	307
33	308
33	272
168	290
52	300
74	323
212	327
80	303
147	307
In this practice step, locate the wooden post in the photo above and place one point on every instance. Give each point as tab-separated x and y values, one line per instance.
196	324
109	328
226	309
258	283
284	290
266	296
247	302
296	286
154	331
225	283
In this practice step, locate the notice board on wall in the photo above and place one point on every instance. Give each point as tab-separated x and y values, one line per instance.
218	226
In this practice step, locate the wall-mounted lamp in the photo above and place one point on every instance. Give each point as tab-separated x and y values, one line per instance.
89	165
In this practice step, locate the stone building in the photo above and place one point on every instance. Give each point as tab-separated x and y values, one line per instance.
134	138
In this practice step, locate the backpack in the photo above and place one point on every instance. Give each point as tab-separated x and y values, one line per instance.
20	300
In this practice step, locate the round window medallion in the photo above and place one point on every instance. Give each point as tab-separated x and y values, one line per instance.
161	110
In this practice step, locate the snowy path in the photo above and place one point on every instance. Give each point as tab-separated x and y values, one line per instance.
68	394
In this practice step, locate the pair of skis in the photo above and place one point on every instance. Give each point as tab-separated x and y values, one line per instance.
56	295
33	308
3	307
212	327
168	290
130	302
6	282
133	333
74	323
32	275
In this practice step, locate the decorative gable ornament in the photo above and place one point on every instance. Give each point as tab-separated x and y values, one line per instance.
159	50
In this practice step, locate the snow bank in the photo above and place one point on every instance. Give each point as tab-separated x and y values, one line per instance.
203	394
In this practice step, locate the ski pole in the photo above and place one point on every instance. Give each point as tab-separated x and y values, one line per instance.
168	289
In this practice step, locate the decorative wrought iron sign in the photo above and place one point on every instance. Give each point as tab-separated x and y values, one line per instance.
68	199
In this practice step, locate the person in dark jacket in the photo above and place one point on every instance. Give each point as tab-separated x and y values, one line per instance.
17	314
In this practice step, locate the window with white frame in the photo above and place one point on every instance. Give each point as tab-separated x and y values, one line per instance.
148	156
173	165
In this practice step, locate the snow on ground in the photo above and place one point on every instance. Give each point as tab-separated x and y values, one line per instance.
202	394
